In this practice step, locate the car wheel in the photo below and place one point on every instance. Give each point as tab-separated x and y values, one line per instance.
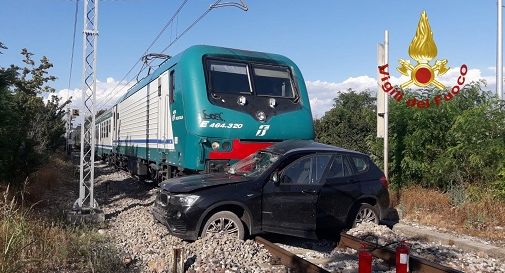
366	213
224	222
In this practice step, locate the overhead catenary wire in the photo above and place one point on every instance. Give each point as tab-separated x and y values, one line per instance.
73	44
111	94
217	4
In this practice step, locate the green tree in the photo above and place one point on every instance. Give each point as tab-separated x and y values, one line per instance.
456	144
350	122
29	128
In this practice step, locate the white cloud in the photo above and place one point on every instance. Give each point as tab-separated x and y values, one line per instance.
322	93
107	93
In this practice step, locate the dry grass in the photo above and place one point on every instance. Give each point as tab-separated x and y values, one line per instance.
483	217
48	178
34	242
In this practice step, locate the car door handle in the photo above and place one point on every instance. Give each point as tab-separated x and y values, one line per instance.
309	191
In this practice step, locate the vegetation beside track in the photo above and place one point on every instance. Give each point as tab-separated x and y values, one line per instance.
446	161
483	217
31	124
34	236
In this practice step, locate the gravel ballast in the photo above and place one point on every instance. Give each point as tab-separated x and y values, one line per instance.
147	245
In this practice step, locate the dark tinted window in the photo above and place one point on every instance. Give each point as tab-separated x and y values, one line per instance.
339	167
228	77
273	82
171	88
318	166
360	164
298	172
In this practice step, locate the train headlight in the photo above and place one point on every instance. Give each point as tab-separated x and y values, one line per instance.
272	102
261	116
215	145
242	100
226	146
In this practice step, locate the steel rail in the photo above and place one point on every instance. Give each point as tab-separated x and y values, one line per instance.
290	260
417	264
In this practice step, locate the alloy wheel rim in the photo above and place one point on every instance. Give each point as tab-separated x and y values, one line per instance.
366	215
223	226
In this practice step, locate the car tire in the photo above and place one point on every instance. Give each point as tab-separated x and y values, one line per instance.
366	213
224	222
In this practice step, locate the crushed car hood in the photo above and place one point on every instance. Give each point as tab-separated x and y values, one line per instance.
197	182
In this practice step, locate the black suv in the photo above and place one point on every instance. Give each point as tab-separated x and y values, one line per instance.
294	187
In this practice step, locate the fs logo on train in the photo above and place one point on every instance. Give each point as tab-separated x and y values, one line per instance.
424	72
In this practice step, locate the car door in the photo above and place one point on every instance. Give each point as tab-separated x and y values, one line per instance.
289	207
340	189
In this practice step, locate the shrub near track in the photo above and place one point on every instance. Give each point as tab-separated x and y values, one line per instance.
33	236
447	162
456	145
30	245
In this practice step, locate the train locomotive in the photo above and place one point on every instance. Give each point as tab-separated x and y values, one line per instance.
203	109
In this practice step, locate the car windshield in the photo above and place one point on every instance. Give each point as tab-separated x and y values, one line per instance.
254	165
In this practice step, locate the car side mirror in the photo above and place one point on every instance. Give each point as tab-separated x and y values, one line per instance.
276	178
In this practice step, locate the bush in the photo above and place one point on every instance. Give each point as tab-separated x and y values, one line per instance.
448	147
30	129
29	244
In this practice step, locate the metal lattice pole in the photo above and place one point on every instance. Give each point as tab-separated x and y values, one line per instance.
86	201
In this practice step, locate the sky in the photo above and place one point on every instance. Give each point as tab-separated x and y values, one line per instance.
334	43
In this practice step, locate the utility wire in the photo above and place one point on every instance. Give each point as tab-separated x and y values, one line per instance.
73	44
145	51
166	48
216	4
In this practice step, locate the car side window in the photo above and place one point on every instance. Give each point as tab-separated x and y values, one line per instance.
298	173
360	164
319	164
339	167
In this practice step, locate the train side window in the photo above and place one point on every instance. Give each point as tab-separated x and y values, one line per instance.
171	89
159	87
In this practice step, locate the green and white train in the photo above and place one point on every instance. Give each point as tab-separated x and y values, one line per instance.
204	109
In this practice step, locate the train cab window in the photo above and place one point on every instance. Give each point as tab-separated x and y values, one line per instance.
171	89
273	82
228	77
159	87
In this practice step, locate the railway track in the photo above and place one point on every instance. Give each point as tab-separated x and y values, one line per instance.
293	262
417	264
296	263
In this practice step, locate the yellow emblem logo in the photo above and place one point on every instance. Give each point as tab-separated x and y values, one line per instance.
423	49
